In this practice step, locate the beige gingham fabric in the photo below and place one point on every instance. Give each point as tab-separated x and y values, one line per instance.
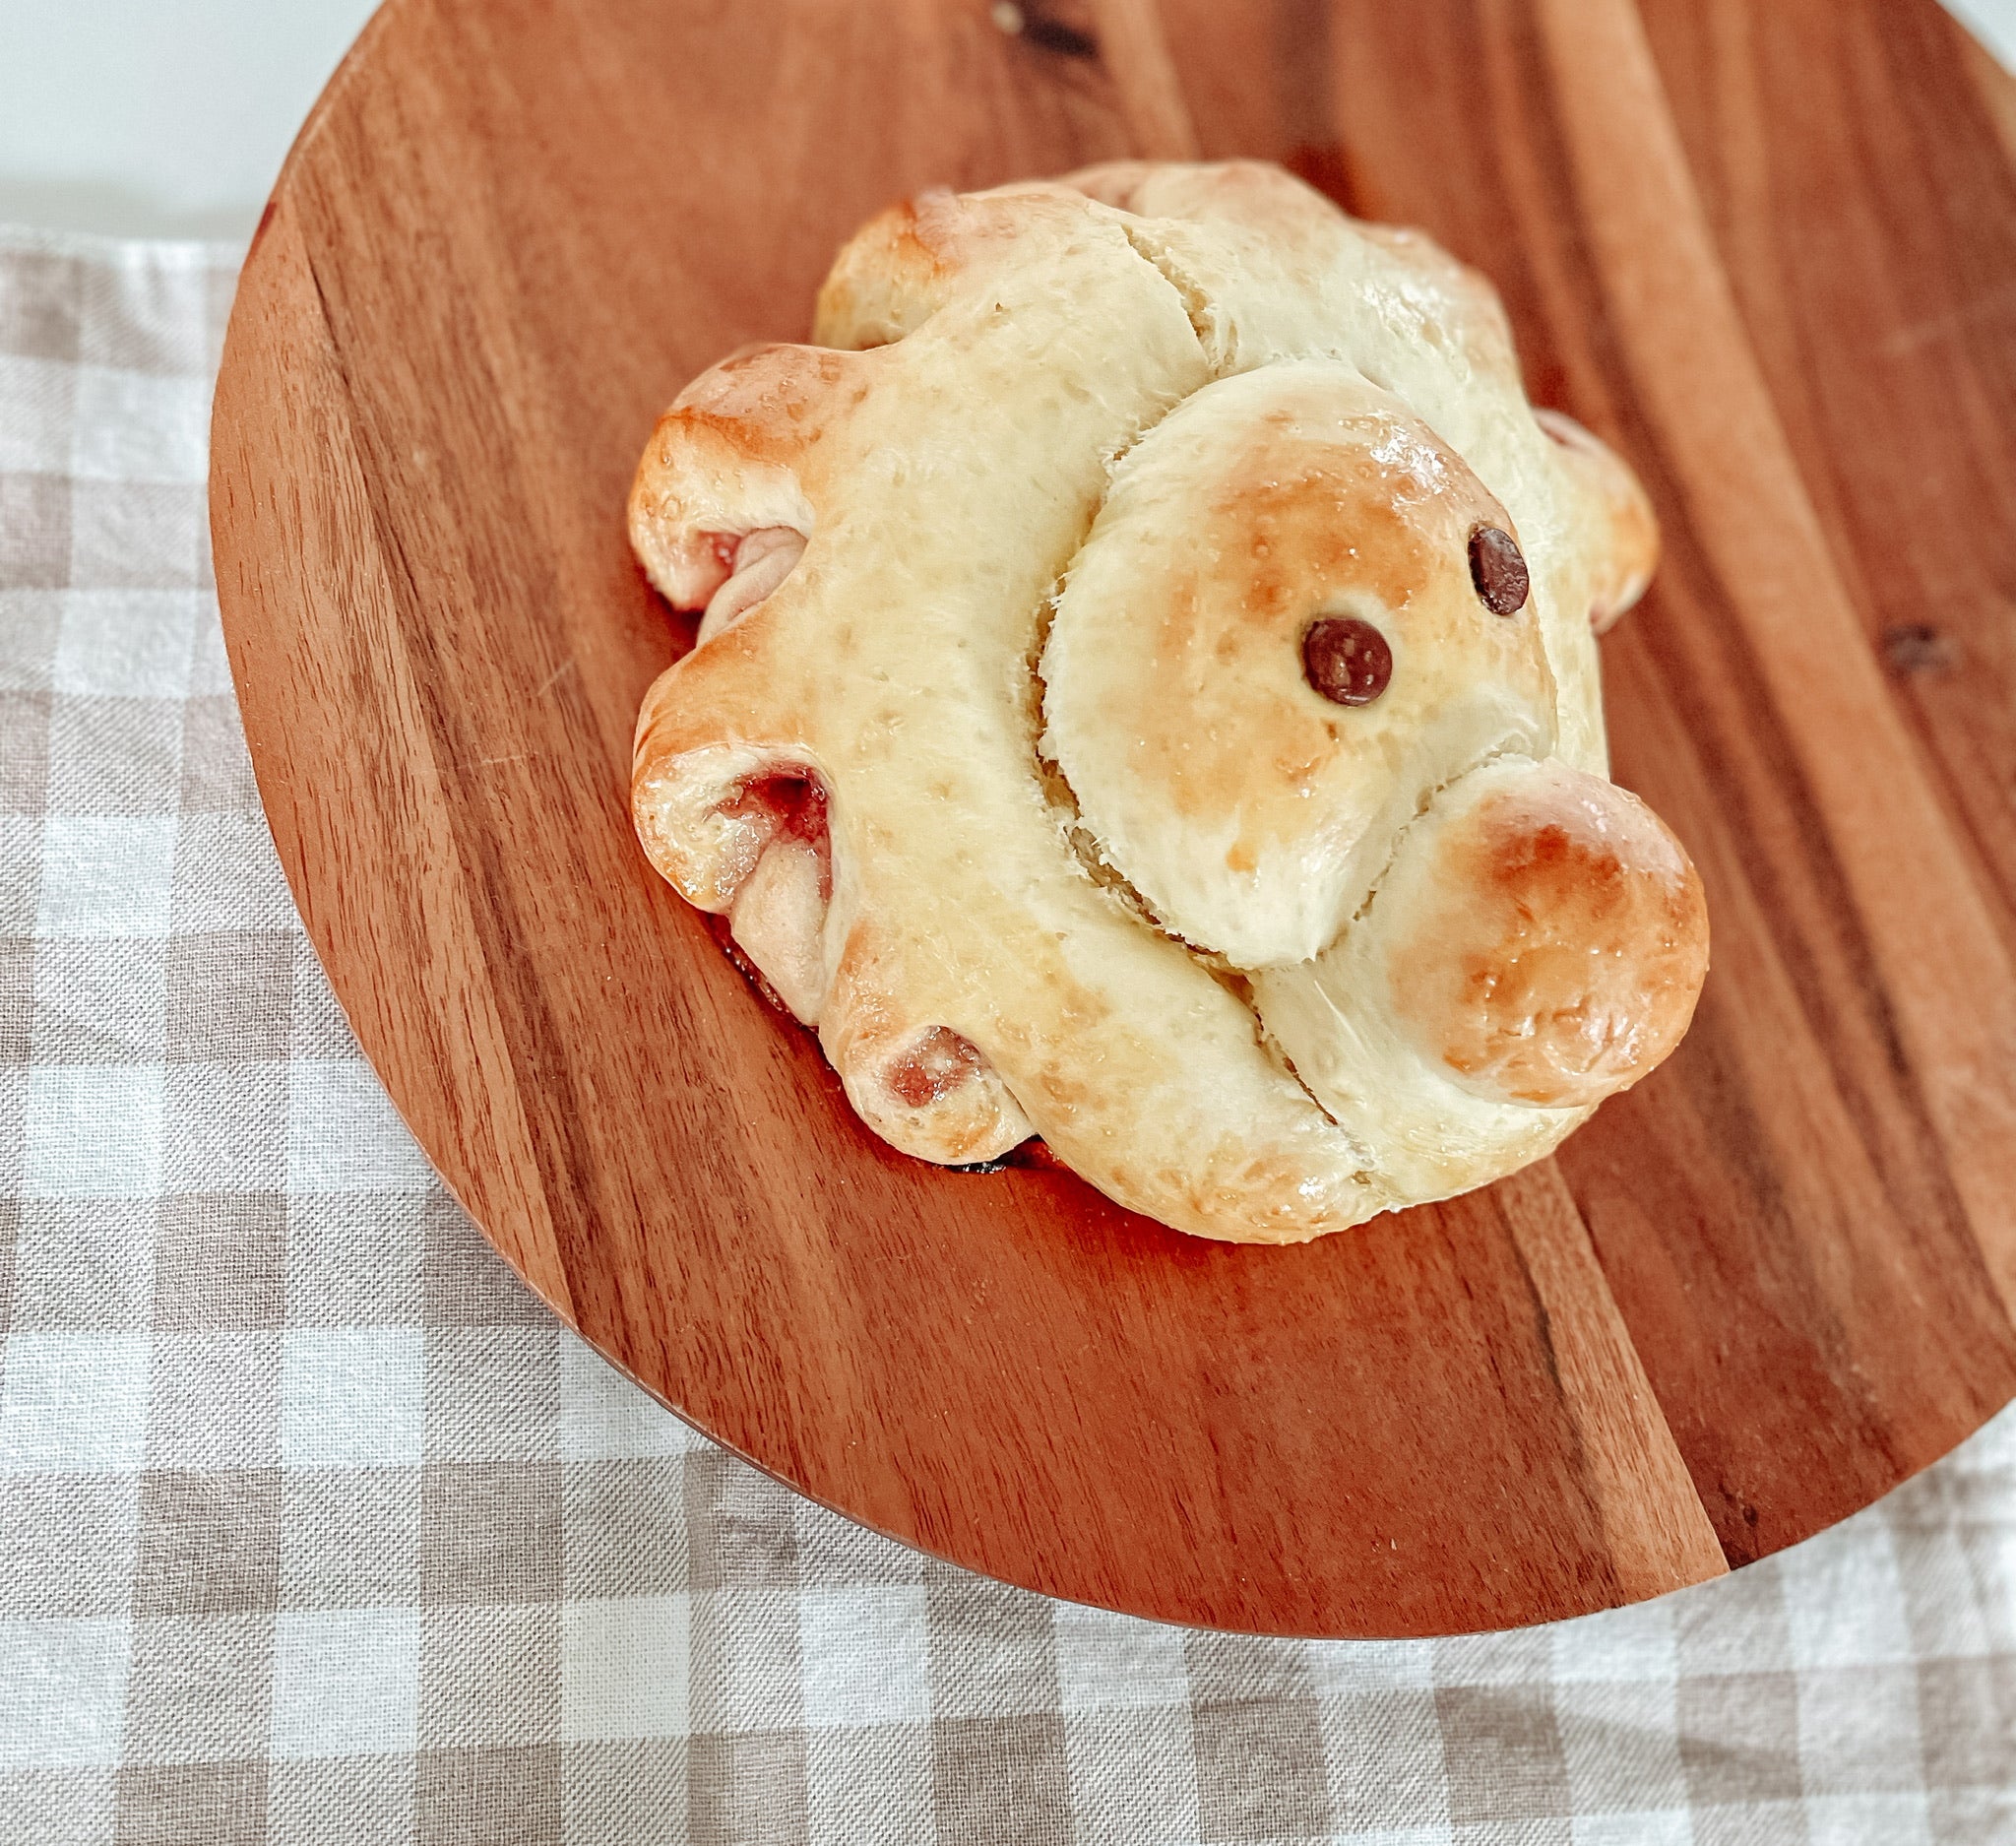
314	1526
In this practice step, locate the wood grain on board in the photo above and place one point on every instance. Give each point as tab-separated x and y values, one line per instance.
1767	246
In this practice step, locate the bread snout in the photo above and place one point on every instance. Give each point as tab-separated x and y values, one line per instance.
1536	943
1545	937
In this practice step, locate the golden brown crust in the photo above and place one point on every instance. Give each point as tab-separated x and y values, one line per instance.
1298	524
729	457
1563	948
901	265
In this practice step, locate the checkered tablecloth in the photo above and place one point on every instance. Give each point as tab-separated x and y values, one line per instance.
315	1526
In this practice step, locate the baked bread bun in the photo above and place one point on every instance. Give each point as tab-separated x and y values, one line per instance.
1147	697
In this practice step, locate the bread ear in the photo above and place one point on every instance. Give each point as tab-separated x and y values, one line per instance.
1612	508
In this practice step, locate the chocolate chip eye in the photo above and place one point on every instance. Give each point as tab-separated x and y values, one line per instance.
1346	660
1498	570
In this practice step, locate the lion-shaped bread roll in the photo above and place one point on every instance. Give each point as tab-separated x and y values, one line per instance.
1147	698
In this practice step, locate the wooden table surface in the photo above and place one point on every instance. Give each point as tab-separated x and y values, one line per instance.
1768	247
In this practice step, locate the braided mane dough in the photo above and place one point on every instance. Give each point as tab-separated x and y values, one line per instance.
998	751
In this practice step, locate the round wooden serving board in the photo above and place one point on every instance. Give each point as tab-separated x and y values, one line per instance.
1767	246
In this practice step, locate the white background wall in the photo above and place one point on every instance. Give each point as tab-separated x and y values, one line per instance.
170	117
158	117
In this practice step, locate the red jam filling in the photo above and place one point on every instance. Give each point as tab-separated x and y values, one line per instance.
936	1065
788	803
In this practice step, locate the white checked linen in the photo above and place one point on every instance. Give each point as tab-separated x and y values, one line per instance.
314	1526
